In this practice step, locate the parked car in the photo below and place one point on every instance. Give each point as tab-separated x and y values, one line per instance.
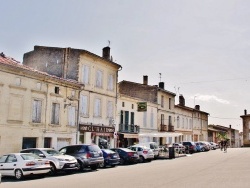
127	156
87	155
179	148
152	145
190	147
58	162
23	164
206	145
111	158
200	147
214	145
145	153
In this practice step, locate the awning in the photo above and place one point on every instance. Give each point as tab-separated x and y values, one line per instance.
130	135
216	130
160	134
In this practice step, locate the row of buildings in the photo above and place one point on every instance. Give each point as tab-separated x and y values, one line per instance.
62	96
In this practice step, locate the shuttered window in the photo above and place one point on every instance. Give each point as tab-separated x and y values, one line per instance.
145	119
37	111
55	113
110	109
97	108
85	76
151	118
72	115
132	118
126	117
111	82
84	105
99	76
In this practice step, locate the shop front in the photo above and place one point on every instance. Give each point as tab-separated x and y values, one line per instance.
127	139
103	136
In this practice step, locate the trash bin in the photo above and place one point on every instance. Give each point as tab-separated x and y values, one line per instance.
171	152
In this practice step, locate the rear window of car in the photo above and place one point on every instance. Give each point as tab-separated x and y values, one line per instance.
94	148
75	149
29	156
108	151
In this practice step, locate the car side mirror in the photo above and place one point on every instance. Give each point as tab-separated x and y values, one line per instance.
41	155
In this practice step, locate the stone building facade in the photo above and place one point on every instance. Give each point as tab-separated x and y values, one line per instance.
98	99
35	108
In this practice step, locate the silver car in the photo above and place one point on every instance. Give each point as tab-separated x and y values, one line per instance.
58	161
145	153
23	164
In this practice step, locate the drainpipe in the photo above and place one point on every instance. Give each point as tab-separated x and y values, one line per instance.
78	115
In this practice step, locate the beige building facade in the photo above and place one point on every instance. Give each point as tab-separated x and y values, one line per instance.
35	110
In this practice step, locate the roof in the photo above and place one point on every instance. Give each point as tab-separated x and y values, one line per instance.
150	86
191	109
12	63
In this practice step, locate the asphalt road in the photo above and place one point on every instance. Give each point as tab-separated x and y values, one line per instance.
202	170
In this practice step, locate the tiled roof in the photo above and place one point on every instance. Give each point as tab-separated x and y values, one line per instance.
11	62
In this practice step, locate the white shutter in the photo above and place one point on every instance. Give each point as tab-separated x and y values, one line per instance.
37	109
99	78
110	109
111	82
86	74
145	119
72	116
97	108
55	113
84	105
34	111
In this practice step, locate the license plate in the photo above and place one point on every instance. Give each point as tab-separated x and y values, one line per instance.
72	165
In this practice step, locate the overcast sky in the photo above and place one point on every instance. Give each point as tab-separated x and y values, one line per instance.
200	47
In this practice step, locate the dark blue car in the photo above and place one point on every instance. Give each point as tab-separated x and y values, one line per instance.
111	158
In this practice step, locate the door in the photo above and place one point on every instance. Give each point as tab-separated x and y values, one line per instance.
10	165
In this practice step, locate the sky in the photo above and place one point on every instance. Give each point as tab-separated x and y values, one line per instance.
199	47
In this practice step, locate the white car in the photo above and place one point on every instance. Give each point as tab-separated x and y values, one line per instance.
145	153
23	164
58	161
152	145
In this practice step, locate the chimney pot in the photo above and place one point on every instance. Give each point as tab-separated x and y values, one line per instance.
245	111
106	53
161	85
197	107
145	80
181	100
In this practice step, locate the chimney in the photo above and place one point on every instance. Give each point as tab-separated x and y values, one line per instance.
145	80
181	100
106	53
161	85
197	107
245	112
230	126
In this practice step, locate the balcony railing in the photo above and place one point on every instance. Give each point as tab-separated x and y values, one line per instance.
124	128
167	128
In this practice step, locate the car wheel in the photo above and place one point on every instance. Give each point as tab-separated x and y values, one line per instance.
52	171
102	165
94	167
18	174
122	162
141	159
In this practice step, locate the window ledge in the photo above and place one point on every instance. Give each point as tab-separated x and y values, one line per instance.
36	124
15	121
18	87
55	125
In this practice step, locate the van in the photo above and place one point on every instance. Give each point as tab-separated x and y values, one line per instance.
152	145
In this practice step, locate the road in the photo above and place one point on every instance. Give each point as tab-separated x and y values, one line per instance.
202	170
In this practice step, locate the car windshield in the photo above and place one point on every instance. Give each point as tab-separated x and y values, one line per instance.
29	156
51	152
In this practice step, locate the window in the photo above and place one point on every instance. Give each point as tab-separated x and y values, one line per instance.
132	118
57	90
123	104
111	82
162	101
190	123
72	115
169	103
132	106
178	121
85	73
162	119
18	81
37	111
84	105
29	142
152	118
169	120
38	86
55	113
99	76
110	109
47	142
97	108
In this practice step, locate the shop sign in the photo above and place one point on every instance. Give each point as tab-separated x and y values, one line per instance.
98	129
